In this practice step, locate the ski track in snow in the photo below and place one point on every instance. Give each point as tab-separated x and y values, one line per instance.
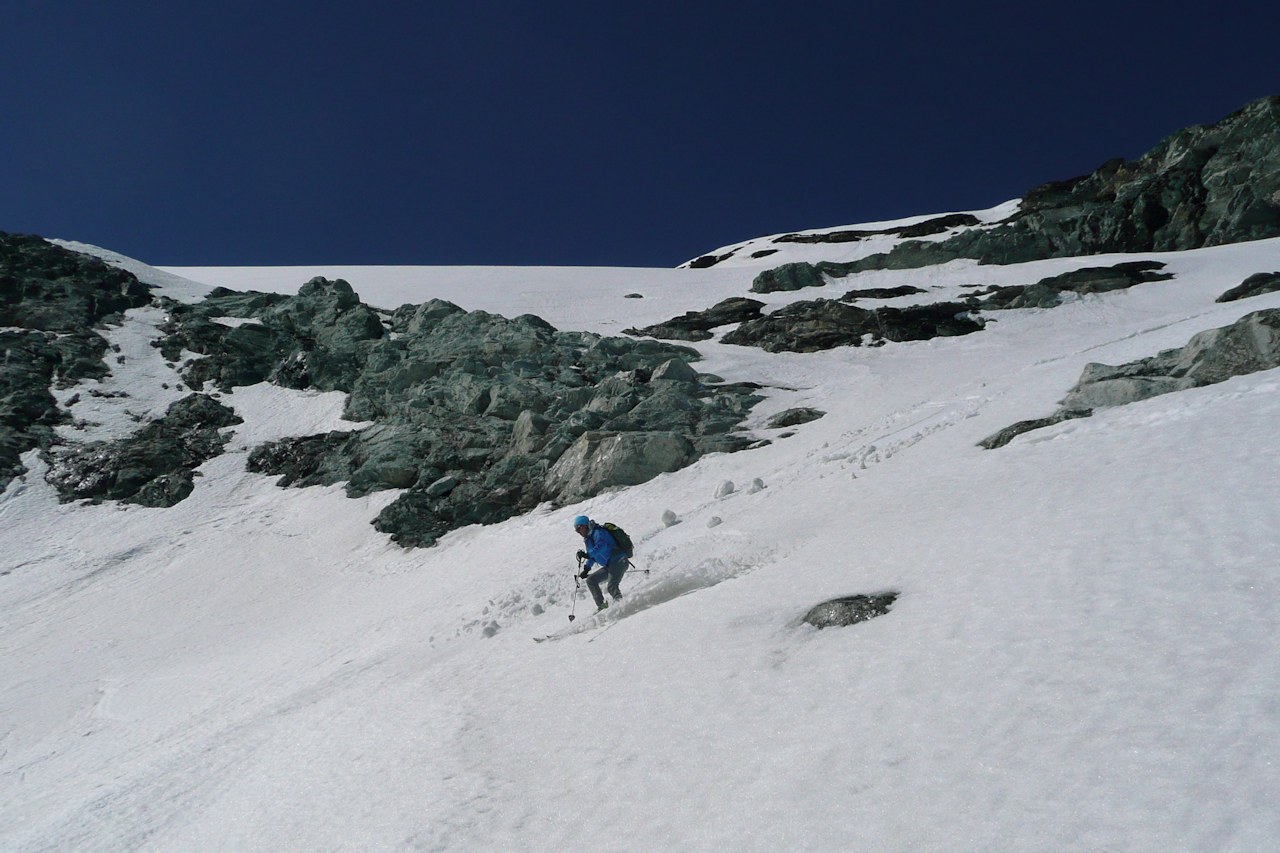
1080	657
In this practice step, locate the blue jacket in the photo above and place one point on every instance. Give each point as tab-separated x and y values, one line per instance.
601	547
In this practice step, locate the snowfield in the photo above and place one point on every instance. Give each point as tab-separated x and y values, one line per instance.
1081	657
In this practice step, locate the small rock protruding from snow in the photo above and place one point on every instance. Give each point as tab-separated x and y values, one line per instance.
726	489
757	485
850	610
714	521
794	417
669	518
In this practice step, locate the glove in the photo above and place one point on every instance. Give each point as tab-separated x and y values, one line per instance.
582	555
584	574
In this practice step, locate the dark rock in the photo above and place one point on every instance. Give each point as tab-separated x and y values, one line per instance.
1047	292
809	326
50	299
696	325
936	225
1009	433
311	340
1203	186
633	296
850	610
709	260
881	293
155	466
1255	285
788	277
48	288
794	417
764	253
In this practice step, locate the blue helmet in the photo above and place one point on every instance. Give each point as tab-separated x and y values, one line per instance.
582	521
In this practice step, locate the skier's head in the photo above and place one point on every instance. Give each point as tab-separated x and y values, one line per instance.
582	524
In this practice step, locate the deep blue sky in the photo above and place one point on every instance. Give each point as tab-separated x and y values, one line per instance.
514	132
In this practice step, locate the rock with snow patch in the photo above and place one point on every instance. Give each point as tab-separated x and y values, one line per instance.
153	467
697	325
492	403
1205	185
1249	345
52	300
810	326
1049	292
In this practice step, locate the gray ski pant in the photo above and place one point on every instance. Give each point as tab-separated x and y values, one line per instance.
614	571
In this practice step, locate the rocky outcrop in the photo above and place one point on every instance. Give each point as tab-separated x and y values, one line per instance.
794	417
705	261
1202	186
315	339
789	277
1009	433
477	416
51	300
881	293
1249	345
155	466
1255	285
809	326
1049	292
697	325
849	610
51	289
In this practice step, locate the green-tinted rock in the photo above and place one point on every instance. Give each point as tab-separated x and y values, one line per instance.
1203	186
51	300
788	277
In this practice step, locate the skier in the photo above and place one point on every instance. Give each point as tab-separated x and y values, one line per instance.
602	549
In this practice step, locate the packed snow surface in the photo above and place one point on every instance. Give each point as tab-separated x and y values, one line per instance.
1082	655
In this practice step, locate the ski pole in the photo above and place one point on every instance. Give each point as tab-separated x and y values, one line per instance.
634	568
577	585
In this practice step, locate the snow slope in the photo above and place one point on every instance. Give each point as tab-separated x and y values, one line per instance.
1081	657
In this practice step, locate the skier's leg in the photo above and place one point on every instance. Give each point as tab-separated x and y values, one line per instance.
593	584
617	569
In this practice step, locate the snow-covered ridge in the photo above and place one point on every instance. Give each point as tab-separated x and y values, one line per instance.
775	249
1079	657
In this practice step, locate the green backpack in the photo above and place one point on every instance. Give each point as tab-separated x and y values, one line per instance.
620	536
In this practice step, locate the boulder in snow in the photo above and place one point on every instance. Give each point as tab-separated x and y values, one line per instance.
849	610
